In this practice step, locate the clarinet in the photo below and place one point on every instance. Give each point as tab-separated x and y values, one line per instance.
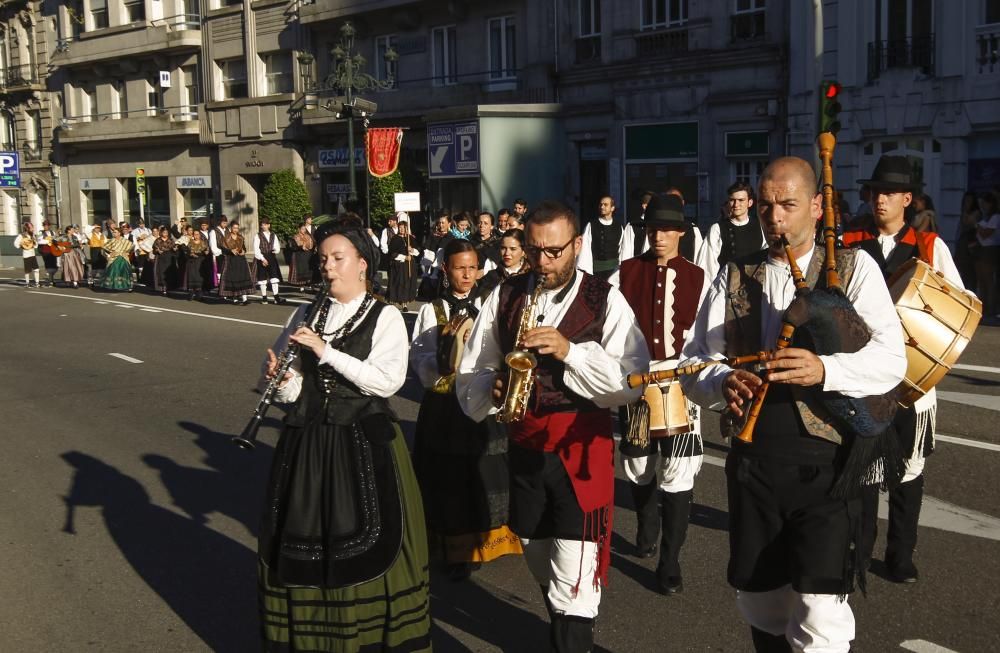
248	438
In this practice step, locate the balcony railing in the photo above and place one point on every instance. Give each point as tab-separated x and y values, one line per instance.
747	26
916	52
988	48
662	42
14	76
588	49
179	113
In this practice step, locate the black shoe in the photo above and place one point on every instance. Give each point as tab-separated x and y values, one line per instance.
903	573
244	301
163	293
263	300
458	572
278	299
648	552
671	585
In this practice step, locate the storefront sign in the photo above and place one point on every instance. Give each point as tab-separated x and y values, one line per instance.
338	189
676	140
337	157
453	150
747	144
254	162
202	181
95	184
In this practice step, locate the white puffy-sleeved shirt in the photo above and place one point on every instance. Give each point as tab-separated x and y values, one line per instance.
585	261
257	253
593	370
381	374
628	244
875	369
423	347
707	257
25	253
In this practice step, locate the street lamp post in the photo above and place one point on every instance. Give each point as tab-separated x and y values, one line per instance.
349	76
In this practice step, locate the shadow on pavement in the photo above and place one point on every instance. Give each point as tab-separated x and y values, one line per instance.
206	578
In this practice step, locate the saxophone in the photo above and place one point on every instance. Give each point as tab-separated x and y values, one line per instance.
521	365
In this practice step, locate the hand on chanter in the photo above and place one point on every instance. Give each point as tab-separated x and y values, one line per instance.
796	366
272	368
738	388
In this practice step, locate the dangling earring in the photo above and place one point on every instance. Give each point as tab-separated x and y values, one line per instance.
361	276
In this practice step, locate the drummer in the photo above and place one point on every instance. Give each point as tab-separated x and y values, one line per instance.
664	290
461	465
889	239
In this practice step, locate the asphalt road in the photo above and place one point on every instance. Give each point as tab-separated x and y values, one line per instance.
128	520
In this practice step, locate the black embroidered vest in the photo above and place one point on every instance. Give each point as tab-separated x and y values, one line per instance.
738	240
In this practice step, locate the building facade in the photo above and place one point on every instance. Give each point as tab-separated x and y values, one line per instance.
570	99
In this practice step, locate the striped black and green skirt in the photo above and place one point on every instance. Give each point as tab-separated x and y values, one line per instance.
389	613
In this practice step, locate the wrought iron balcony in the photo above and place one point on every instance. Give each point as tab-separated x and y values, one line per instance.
988	48
662	42
588	49
916	52
747	26
14	77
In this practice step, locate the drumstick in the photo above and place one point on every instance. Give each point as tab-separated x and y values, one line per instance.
637	379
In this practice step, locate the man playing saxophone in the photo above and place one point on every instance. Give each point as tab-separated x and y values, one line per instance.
792	549
585	339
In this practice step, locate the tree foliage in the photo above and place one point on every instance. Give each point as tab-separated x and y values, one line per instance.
383	199
285	201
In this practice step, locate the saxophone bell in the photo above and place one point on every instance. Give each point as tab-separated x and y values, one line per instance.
521	365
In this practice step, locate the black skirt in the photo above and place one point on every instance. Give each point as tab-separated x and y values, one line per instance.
234	280
270	271
97	259
193	266
165	272
301	272
403	277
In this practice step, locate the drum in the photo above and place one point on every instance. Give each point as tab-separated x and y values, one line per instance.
938	322
668	410
451	342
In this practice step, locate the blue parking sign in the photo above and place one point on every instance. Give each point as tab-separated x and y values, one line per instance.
453	150
10	170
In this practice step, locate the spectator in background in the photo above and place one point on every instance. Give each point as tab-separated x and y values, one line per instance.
502	217
988	238
520	209
485	240
391	230
403	264
925	218
965	238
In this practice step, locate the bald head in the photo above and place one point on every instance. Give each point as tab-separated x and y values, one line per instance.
790	169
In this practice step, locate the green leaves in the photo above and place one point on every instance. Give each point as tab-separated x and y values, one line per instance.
383	191
286	202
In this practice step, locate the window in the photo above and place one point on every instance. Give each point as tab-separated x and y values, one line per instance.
444	55
154	95
385	69
748	21
992	14
663	13
4	59
90	102
904	36
98	14
234	78
135	11
503	59
32	131
6	131
748	171
120	95
590	17
191	97
745	6
277	72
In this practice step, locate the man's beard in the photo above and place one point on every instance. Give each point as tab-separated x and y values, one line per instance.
559	277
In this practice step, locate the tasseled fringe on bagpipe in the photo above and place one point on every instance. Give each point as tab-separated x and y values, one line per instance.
638	423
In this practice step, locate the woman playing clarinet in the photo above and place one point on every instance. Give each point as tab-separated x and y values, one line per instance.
343	549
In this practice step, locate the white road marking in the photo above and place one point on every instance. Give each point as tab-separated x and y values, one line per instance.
166	310
923	646
150	310
977	368
124	305
954	439
988	402
125	358
935	513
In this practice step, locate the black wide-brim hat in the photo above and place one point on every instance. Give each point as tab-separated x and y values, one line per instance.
664	211
893	173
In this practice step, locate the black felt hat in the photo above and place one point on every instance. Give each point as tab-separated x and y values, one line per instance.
665	211
892	173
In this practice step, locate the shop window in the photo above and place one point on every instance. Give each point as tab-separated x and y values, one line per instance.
96	205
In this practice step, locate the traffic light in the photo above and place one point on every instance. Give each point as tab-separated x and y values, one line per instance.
829	107
140	182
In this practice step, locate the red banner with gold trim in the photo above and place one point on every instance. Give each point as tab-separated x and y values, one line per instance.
382	146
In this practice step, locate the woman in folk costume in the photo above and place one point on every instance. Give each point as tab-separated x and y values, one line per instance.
72	266
404	264
118	275
343	549
164	264
513	259
303	247
461	464
234	280
195	251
